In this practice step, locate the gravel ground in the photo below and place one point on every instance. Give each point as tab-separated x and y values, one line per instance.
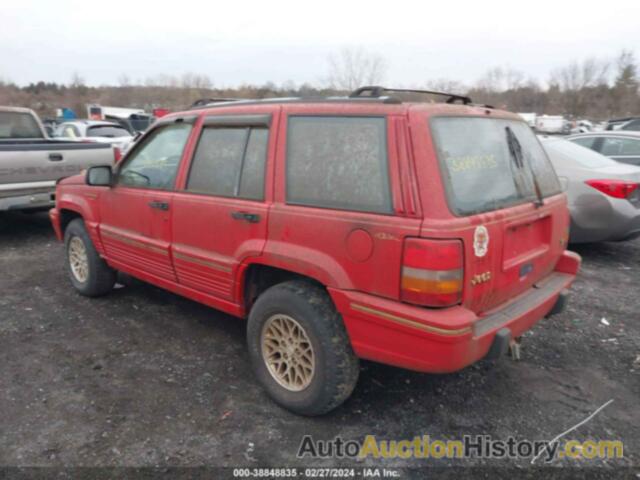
146	378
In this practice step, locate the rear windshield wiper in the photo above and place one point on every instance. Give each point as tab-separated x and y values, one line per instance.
515	150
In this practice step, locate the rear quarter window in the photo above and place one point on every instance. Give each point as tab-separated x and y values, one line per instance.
338	162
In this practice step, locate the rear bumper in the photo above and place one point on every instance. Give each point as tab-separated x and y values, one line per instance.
445	340
607	219
35	201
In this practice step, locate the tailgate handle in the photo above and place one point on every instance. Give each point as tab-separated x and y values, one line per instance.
159	205
249	217
56	157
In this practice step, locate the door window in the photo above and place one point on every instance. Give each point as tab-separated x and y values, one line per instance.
338	162
154	162
230	162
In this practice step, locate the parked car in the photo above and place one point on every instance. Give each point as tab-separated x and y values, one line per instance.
552	124
425	236
628	123
95	131
135	120
621	146
604	195
31	163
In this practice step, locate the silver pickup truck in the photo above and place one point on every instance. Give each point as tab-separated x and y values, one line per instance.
31	163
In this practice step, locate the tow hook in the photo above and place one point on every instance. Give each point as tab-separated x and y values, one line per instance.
514	348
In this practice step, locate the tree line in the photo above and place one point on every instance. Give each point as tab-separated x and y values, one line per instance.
592	88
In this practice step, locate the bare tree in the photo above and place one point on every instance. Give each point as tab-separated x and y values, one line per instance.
501	79
626	86
578	82
354	67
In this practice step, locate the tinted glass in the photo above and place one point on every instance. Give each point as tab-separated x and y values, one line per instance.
338	162
252	180
18	125
107	131
217	161
154	162
481	171
613	147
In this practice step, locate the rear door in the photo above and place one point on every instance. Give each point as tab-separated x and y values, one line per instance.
221	212
505	194
136	212
340	215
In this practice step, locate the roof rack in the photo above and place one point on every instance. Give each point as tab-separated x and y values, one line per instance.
378	91
206	101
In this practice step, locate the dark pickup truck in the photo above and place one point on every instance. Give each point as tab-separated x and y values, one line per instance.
31	163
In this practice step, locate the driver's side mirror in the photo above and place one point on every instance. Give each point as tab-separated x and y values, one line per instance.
100	176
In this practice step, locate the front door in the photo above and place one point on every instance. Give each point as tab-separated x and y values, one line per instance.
135	225
220	215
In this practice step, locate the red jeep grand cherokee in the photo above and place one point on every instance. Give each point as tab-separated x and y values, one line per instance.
421	235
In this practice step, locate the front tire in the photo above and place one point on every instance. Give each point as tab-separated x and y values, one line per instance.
300	350
89	274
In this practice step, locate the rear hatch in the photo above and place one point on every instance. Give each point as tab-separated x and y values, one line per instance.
512	218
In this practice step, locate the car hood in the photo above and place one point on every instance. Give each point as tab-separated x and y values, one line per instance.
73	180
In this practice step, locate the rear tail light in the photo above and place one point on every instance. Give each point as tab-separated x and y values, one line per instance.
432	272
614	188
117	154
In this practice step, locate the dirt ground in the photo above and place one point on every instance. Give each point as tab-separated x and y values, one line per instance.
146	378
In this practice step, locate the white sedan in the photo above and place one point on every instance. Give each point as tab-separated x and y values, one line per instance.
95	131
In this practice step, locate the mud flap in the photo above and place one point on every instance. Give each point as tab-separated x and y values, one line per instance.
560	304
500	345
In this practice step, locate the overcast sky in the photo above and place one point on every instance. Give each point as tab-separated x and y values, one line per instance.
240	41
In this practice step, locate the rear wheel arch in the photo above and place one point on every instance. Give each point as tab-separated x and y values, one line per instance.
257	278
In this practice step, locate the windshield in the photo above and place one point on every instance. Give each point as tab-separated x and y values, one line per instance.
491	163
110	131
563	151
18	125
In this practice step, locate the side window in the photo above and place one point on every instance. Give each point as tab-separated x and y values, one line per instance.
633	125
621	146
338	162
611	147
154	163
630	147
230	162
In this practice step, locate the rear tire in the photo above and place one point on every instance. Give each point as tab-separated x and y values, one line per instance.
300	350
89	274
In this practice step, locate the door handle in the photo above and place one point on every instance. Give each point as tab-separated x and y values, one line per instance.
55	157
159	205
246	216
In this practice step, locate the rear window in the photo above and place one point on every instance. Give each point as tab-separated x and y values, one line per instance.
491	163
18	125
565	151
338	162
586	142
110	131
